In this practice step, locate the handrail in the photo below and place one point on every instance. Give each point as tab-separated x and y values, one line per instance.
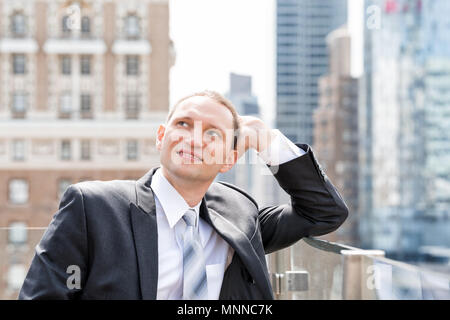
327	245
322	269
337	248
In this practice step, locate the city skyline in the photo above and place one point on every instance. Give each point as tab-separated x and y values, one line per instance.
84	103
257	60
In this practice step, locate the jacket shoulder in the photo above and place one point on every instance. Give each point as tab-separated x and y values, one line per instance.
118	190
228	187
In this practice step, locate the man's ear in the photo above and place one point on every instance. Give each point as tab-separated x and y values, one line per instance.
159	136
230	161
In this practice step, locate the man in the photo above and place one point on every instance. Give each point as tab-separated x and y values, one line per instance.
176	234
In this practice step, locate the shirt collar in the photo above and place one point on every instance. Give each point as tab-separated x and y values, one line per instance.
173	204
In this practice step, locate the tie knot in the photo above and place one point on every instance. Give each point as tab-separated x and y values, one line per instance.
189	217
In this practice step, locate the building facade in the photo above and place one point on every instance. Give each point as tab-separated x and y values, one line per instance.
404	121
302	26
336	130
84	85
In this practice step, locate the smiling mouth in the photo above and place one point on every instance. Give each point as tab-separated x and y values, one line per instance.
188	155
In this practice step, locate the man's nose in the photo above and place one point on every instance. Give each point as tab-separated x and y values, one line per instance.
196	136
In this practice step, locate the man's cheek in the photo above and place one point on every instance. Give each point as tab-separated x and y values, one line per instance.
214	154
170	147
176	136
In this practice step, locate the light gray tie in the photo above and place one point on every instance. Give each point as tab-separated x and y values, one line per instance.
194	272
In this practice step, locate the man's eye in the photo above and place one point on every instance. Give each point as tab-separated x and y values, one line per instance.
213	133
182	124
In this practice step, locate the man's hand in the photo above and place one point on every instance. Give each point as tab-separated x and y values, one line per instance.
253	134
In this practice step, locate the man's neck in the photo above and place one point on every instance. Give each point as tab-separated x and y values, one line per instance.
192	192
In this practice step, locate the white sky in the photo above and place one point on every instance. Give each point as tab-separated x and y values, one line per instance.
215	37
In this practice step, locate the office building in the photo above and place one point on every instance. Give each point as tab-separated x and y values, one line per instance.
302	26
336	131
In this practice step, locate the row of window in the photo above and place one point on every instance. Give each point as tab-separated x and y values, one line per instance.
19	64
18	148
18	190
19	25
20	104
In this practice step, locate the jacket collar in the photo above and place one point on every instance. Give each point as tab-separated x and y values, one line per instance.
143	220
172	203
145	231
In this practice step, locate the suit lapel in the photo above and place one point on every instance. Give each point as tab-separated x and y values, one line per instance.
240	243
145	231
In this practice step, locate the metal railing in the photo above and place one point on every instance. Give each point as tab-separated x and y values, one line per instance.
322	270
311	269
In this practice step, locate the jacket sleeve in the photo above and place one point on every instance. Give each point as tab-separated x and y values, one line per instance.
59	266
316	206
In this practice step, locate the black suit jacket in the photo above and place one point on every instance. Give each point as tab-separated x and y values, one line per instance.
108	229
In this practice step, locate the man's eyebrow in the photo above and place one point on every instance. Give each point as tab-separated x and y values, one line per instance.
182	118
210	125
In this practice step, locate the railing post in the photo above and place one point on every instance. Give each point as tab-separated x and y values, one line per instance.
277	283
353	273
280	262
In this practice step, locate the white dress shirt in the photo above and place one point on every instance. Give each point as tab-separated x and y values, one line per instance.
170	207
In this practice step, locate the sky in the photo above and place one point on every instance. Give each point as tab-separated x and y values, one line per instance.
213	38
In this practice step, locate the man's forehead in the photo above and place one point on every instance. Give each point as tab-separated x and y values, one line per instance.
204	107
199	101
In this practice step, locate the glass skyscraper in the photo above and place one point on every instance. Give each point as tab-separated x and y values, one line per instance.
405	127
302	57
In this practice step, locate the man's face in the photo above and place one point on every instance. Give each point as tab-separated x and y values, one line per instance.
196	143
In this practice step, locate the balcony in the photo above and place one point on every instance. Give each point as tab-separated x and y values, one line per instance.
74	46
318	270
322	270
18	45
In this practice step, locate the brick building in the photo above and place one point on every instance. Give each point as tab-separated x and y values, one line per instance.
84	85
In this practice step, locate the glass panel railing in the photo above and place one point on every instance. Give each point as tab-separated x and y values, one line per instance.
394	280
311	269
337	271
323	263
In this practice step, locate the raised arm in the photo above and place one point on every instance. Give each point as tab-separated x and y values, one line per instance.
316	206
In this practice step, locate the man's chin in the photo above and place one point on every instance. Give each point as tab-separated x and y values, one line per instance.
189	171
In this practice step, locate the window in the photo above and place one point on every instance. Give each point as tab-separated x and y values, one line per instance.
66	28
18	191
85	26
17	233
16	276
85	65
132	29
19	104
66	65
66	150
65	108
85	150
132	106
132	65
18	150
132	150
85	106
19	61
18	24
63	184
